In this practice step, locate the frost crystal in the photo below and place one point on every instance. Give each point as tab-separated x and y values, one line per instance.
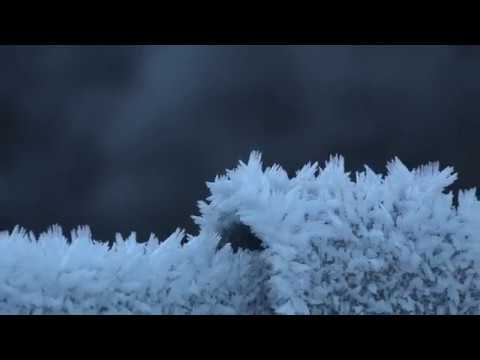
317	243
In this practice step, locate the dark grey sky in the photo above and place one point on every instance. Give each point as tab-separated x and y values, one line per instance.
124	138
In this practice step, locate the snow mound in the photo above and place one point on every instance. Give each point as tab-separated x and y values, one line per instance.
318	243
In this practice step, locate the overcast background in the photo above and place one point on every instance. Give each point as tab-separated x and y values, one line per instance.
124	138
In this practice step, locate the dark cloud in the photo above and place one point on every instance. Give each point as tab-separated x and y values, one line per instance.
124	138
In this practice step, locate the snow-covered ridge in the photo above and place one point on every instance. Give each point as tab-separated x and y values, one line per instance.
330	245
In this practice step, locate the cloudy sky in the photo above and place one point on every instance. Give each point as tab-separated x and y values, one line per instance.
124	138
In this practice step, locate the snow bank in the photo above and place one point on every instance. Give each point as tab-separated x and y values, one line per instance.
330	245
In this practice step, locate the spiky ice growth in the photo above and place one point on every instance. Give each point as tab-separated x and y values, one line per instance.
330	244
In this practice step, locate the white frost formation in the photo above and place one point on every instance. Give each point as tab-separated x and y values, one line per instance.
331	245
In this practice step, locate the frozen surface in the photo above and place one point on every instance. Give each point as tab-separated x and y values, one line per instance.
325	242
